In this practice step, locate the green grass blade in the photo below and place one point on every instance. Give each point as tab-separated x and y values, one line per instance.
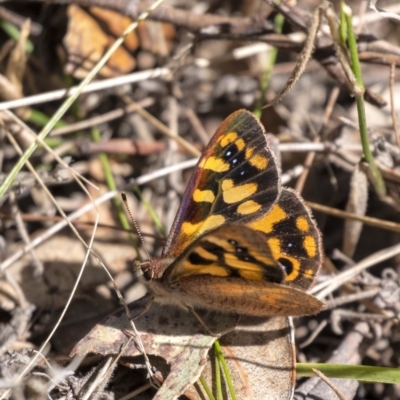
206	388
363	373
221	358
14	33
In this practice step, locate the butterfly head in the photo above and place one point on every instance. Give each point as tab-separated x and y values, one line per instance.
145	270
151	270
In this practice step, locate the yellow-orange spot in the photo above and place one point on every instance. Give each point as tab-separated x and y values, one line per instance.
203	195
302	224
234	194
295	269
275	247
212	222
309	273
266	223
233	261
205	254
310	246
246	270
248	207
227	184
228	138
186	268
214	164
215	271
259	162
252	275
249	152
240	144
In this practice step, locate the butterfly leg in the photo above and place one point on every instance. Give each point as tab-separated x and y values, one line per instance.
215	334
146	308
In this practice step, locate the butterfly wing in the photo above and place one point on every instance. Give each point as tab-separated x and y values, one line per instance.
283	246
237	236
232	250
261	299
236	181
293	239
233	269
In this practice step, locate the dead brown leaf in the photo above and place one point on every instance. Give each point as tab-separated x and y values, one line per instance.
86	42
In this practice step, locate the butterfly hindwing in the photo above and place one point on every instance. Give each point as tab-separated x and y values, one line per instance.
247	297
293	239
236	181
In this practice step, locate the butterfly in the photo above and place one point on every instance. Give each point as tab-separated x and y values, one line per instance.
240	243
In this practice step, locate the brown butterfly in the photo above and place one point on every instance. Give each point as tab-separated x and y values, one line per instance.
240	242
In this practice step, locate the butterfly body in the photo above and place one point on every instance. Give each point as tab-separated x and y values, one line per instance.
240	243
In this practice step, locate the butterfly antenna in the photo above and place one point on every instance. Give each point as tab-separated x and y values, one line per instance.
125	201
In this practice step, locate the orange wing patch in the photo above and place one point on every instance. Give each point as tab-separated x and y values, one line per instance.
248	207
266	223
233	194
259	162
214	164
212	222
203	195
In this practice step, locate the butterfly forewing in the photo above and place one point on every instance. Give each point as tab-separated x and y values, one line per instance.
229	251
235	181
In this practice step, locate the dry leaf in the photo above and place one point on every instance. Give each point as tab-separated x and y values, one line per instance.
168	332
11	87
260	352
16	64
116	25
260	358
357	204
86	42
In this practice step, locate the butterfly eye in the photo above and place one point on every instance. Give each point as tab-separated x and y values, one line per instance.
147	270
148	274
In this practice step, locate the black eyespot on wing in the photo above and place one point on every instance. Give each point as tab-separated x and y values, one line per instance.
286	264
